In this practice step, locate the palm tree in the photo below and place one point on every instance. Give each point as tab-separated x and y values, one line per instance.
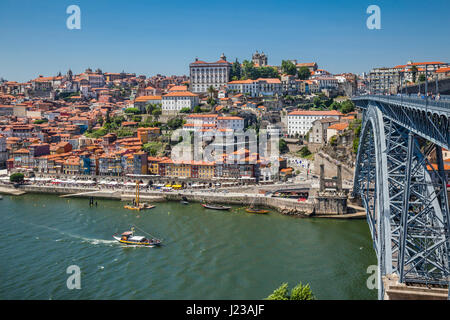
414	71
211	91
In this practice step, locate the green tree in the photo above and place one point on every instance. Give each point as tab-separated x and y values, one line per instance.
185	110
156	112
281	293
304	73
422	78
17	177
317	102
197	109
235	73
299	292
211	101
304	152
288	67
414	71
211	91
132	110
175	123
40	121
249	71
347	106
283	146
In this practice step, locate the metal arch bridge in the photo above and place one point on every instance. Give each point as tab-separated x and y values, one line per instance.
404	194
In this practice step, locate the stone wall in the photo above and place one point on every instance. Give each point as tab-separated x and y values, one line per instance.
330	167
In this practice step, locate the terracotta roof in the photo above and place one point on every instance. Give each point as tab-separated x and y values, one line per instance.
180	94
339	126
315	113
147	98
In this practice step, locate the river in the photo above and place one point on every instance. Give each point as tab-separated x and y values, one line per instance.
206	254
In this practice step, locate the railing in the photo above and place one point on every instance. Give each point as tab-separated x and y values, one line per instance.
423	102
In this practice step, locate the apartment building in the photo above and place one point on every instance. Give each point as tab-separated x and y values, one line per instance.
301	121
173	102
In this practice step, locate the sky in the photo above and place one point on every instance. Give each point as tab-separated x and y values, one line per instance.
150	37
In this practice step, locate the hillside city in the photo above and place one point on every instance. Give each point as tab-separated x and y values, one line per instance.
109	124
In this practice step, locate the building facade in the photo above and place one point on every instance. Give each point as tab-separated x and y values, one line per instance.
206	74
300	122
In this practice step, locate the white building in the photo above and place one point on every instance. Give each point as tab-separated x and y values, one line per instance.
233	123
326	82
300	122
201	122
205	74
256	88
173	102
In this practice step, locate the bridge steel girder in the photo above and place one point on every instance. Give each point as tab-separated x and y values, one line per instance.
428	119
405	199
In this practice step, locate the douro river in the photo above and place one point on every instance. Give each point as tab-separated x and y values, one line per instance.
206	254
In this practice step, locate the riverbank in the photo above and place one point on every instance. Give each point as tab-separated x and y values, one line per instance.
11	191
285	206
206	253
282	205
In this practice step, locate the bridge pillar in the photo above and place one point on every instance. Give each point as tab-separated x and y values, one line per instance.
394	290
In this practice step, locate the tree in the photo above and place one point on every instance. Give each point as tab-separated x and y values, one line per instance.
156	112
197	109
281	293
132	110
299	292
185	110
235	73
304	73
249	71
283	146
40	121
211	101
17	177
347	106
414	71
212	91
304	152
288	67
317	102
175	123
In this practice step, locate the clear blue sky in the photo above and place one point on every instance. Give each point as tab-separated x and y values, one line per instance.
149	37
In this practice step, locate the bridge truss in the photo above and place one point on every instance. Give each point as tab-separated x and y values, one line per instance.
404	194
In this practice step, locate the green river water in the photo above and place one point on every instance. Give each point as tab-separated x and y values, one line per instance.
206	254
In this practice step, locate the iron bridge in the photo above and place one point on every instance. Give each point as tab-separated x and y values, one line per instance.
401	180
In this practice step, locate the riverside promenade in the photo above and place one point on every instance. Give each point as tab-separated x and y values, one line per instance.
282	205
286	206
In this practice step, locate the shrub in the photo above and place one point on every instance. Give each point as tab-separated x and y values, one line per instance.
299	292
17	177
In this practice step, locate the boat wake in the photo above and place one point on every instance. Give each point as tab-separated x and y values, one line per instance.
99	241
84	239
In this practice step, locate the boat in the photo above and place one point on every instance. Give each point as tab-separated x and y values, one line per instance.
255	210
208	206
252	209
184	200
136	204
129	238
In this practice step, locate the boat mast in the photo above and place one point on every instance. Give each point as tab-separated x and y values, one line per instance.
137	193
